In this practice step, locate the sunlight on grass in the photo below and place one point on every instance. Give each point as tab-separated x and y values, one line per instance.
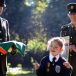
19	72
15	71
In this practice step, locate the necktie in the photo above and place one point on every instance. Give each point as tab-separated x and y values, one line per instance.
53	60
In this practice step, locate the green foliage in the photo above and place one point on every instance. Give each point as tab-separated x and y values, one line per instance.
36	45
41	6
40	16
14	36
29	2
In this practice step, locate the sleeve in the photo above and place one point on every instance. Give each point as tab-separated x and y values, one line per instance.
8	34
67	71
41	70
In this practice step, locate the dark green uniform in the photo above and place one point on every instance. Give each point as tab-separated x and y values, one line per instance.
68	30
4	36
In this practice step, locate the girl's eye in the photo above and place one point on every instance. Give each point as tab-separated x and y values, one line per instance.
54	46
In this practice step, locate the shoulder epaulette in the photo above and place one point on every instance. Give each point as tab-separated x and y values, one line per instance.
65	27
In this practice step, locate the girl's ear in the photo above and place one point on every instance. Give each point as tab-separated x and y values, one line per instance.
61	49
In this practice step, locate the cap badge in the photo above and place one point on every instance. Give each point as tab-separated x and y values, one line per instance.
72	7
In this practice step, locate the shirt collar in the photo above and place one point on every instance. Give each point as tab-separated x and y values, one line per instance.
51	57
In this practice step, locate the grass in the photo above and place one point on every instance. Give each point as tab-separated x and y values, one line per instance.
20	72
29	74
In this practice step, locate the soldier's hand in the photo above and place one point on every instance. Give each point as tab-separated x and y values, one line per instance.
36	66
72	48
67	65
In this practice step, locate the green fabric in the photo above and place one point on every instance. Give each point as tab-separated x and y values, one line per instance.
19	46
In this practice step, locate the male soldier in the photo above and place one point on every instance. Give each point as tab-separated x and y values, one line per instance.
70	30
4	36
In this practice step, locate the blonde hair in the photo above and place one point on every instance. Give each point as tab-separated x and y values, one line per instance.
59	40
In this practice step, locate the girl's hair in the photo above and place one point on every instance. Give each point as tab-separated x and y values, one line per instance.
59	40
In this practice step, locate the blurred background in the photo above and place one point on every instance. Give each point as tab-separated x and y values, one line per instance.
33	22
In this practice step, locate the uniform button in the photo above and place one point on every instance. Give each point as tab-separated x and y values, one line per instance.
71	37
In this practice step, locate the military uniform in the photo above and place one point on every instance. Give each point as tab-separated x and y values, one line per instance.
52	68
4	36
70	30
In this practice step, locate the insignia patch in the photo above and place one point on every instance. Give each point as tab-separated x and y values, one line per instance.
57	69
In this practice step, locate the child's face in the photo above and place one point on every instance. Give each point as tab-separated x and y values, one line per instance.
55	49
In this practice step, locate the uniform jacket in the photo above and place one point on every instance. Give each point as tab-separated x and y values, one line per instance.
47	68
4	30
68	30
4	36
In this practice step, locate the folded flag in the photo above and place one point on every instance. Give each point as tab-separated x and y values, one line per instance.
4	52
19	46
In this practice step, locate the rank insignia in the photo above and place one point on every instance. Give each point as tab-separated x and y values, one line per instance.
57	69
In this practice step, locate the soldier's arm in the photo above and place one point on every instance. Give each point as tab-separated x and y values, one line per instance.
8	34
